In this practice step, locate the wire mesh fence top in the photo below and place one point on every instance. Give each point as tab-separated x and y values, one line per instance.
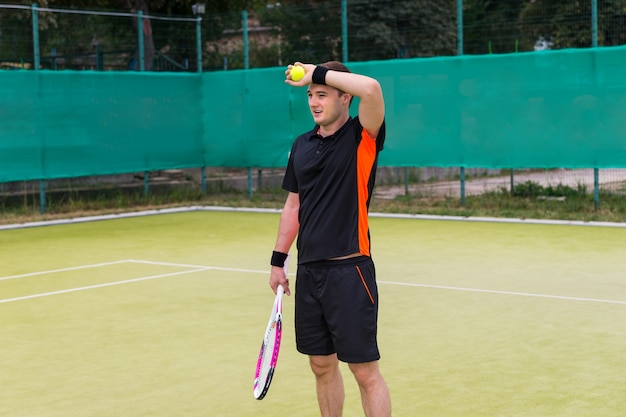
94	40
276	33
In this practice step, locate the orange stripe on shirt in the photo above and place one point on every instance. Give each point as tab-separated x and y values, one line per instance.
366	155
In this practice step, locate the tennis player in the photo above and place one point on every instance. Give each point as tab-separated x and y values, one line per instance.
330	177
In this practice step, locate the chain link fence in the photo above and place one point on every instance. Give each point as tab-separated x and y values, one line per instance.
59	39
276	34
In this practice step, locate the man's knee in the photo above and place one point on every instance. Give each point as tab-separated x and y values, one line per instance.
322	365
365	373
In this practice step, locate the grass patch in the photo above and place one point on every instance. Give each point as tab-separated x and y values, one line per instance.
528	200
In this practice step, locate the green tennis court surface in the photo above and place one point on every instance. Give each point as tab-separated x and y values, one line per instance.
164	315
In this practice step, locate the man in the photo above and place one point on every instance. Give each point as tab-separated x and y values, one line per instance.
330	177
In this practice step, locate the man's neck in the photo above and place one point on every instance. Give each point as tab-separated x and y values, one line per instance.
334	127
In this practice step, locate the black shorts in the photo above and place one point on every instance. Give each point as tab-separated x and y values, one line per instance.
336	309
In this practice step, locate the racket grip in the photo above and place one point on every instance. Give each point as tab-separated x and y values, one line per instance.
280	290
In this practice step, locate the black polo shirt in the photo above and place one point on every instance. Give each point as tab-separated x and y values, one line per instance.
334	178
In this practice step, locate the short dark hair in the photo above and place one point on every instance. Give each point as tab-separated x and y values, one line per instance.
337	66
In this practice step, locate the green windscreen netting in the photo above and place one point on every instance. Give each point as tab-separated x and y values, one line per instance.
64	124
557	109
544	109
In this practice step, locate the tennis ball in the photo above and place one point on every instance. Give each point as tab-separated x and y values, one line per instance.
297	72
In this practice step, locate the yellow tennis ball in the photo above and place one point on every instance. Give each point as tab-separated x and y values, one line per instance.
297	72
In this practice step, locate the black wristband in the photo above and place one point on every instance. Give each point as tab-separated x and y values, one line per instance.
278	259
319	75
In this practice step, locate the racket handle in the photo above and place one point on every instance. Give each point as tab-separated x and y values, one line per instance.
280	290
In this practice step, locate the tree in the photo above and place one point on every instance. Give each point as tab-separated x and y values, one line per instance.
568	24
308	32
304	30
385	29
75	37
137	6
377	29
492	26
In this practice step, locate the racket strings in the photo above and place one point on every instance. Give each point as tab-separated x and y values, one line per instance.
270	355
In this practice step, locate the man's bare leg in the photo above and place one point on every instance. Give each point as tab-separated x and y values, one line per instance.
374	392
330	391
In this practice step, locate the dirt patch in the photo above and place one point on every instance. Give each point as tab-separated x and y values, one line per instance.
613	179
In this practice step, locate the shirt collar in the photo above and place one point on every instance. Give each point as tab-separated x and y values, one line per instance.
315	133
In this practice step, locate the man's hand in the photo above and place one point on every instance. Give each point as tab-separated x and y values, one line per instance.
278	277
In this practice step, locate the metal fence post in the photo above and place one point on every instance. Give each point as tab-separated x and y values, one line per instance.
99	58
596	188
36	65
42	196
140	48
459	52
344	30
459	27
462	177
406	181
53	59
142	67
203	179
594	23
146	183
246	65
250	182
594	44
246	52
512	181
199	43
36	57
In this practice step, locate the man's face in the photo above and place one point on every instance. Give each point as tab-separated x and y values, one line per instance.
326	103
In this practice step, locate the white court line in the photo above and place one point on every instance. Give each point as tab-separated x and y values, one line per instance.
200	268
216	268
194	268
132	214
52	271
190	209
522	294
497	220
107	284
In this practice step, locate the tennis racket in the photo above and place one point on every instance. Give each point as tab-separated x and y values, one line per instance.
268	356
